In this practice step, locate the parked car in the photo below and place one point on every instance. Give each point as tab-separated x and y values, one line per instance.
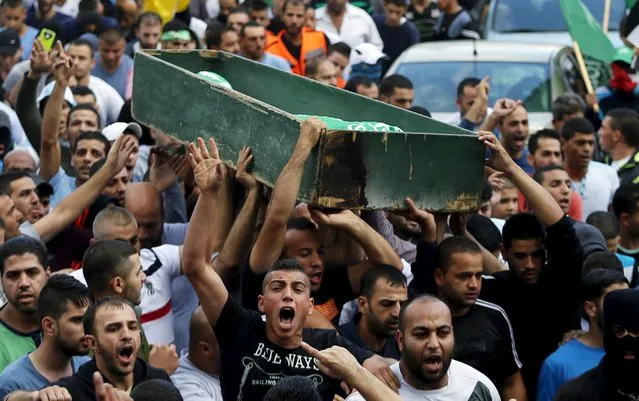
532	72
543	21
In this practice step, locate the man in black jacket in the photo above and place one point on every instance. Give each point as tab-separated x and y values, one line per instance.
113	335
615	379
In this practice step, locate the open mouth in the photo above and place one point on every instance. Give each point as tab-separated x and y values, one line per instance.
433	363
125	355
629	355
316	278
287	314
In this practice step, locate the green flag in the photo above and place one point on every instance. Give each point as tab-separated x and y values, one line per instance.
630	3
595	45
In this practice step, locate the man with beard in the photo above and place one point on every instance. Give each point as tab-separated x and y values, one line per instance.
595	182
615	378
113	336
585	352
43	13
384	290
513	129
252	43
294	38
482	329
427	369
24	271
61	307
259	352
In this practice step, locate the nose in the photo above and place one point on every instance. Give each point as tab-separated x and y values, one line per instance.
473	283
24	282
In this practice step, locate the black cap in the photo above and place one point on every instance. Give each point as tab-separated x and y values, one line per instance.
9	41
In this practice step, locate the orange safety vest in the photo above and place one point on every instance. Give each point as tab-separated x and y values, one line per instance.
270	38
340	82
313	45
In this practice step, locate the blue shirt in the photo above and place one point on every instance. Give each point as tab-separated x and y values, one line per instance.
33	20
22	375
62	185
275	61
569	361
119	78
396	38
72	29
628	263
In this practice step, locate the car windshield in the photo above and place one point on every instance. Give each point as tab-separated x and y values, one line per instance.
436	83
546	15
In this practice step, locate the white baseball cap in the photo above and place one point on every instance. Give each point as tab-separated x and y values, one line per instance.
366	53
48	89
113	131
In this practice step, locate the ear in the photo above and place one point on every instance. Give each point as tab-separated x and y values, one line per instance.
312	306
91	241
439	276
204	347
118	285
47	271
563	143
624	218
48	326
400	340
362	303
91	342
590	308
260	303
530	159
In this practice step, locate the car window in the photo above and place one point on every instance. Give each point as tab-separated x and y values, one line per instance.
546	15
436	83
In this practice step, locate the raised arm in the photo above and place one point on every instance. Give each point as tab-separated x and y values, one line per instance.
209	174
540	200
238	243
377	249
75	203
50	152
270	241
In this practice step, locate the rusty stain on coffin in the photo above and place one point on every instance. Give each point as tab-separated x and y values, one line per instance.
463	203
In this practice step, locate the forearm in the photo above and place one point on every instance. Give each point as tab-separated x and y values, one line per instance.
490	123
370	387
174	204
540	200
378	222
222	218
270	241
238	243
20	395
194	252
377	249
491	263
27	111
49	147
514	388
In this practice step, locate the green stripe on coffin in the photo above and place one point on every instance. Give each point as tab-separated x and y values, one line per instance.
438	165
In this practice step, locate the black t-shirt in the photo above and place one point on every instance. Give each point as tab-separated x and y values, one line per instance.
350	330
251	364
468	30
334	292
424	21
484	340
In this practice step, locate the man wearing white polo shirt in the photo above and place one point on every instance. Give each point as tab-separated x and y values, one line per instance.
351	24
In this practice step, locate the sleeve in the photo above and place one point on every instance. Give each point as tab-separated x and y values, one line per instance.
548	384
466	124
174	204
423	270
192	391
414	34
234	323
27	111
378	221
113	103
358	352
509	360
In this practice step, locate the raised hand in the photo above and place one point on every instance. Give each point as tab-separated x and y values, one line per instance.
500	160
505	106
208	170
310	132
341	219
425	220
243	174
163	170
40	60
62	65
164	357
51	393
335	362
106	392
119	153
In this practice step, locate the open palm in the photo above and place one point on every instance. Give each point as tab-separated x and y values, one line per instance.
208	169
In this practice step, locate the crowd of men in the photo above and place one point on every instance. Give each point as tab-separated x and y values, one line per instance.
135	266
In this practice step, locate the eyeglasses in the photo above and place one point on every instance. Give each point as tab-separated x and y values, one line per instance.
621	332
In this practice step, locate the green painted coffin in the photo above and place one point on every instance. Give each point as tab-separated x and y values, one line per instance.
438	165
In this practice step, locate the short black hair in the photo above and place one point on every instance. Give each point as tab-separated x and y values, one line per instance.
388	85
300	224
576	125
486	192
250	24
287	3
567	104
450	246
546	133
111	36
13	3
421	110
9	177
241	10
293	388
540	172
386	272
606	222
215	34
594	283
341	48
522	226
83	42
625	121
258	5
626	199
424	298
484	231
60	291
114	302
93	136
105	260
602	260
149	18
156	390
285	265
22	245
82	90
356	81
466	82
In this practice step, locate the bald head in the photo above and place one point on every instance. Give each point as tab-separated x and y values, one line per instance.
204	351
19	160
144	201
200	329
419	307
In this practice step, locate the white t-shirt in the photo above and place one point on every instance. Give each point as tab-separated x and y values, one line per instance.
597	188
357	27
157	311
108	99
464	384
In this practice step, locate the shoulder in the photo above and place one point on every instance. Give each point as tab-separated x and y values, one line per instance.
165	254
579	387
355	11
495	311
559	357
468	376
604	168
15	368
